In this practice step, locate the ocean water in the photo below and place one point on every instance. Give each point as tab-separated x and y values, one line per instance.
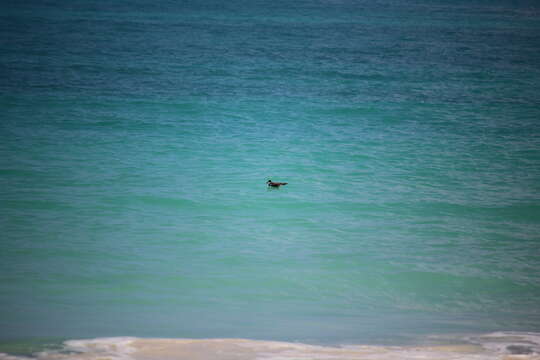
137	138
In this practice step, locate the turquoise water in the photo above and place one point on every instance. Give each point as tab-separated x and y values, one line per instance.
137	140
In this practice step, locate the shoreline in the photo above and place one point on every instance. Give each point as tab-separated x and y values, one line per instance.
499	345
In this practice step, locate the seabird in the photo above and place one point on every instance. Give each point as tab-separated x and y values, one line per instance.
275	184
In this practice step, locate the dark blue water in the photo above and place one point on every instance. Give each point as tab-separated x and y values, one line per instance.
137	138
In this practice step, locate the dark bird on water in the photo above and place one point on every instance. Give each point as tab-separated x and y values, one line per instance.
275	184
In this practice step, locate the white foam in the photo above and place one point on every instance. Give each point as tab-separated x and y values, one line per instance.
115	347
4	356
495	346
509	342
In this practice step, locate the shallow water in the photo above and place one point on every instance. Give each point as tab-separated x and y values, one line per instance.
503	346
137	140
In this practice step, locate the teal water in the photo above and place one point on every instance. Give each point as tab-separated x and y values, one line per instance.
137	138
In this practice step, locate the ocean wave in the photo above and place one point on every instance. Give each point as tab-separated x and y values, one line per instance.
499	345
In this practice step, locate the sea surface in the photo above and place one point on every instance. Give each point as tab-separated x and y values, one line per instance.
136	139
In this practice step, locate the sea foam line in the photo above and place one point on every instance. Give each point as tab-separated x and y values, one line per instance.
495	346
